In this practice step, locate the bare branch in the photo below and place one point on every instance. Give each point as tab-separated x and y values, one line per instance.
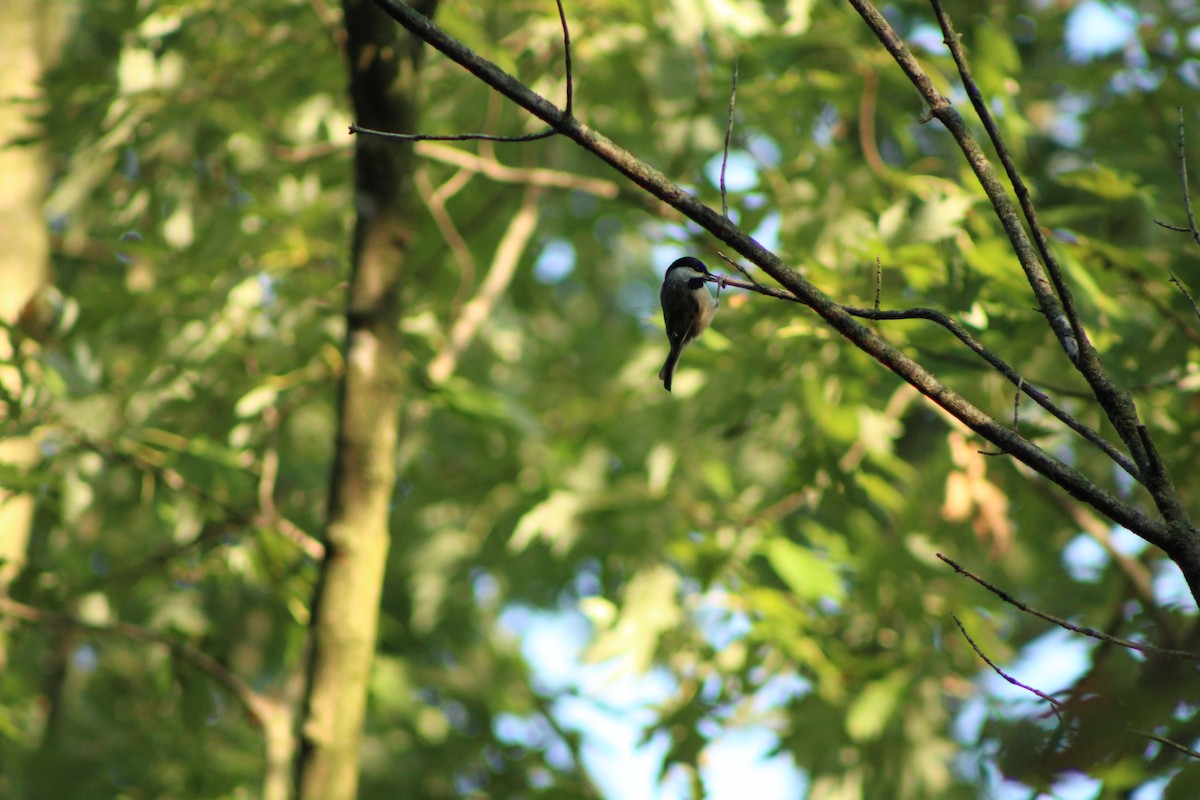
454	137
1187	751
1191	300
745	272
1001	366
963	335
1118	405
488	137
562	19
878	281
536	176
728	136
1062	623
941	109
1156	531
1183	181
499	276
256	707
954	43
1181	539
1055	704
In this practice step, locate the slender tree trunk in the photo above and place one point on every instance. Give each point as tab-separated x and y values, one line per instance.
384	65
24	240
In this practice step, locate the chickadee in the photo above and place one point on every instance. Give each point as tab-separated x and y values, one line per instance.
687	309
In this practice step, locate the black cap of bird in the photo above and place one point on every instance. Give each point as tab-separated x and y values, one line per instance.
687	306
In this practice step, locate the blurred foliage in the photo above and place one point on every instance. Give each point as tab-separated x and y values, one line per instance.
775	519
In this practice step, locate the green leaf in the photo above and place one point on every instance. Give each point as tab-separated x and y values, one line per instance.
808	575
1104	182
875	706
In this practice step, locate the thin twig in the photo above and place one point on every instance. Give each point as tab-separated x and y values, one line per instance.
498	171
745	272
562	18
456	137
1057	705
250	700
964	336
1187	751
1062	623
1016	423
1001	366
878	281
568	110
1018	183
1190	299
1017	404
1183	180
1154	529
728	137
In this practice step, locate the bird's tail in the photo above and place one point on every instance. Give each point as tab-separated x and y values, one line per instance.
668	368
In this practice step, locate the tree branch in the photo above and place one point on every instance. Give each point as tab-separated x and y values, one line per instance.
1117	404
973	344
944	112
1181	540
536	176
1188	295
1062	623
488	137
1183	180
1157	532
954	43
256	707
1055	704
1187	751
499	276
728	137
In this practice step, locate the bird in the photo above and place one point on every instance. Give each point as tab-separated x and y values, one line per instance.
687	306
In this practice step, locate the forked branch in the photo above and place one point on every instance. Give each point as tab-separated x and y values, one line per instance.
1182	542
1173	535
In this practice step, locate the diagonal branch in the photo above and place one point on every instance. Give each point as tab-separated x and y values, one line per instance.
1182	540
973	344
835	315
488	137
728	138
1118	405
1187	751
503	173
1055	704
1183	180
1005	369
1187	295
499	276
256	706
1070	626
954	43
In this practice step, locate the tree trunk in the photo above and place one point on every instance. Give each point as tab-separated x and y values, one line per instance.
24	240
384	64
